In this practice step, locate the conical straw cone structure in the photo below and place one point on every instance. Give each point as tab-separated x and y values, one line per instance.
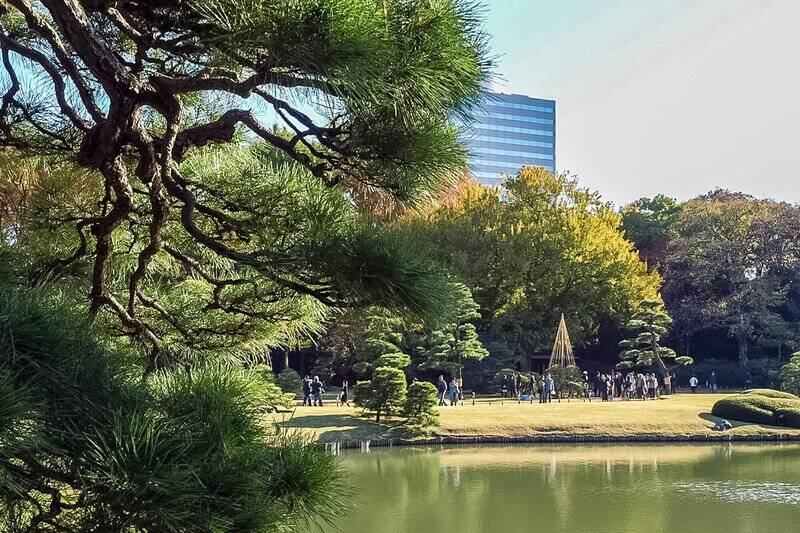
562	349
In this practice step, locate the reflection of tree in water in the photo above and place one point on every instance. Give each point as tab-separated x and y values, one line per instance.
560	488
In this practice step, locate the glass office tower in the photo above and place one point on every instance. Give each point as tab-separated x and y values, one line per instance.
509	131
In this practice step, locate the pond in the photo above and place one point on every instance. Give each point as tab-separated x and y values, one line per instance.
574	488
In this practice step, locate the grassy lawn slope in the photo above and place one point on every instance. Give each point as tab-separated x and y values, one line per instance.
677	415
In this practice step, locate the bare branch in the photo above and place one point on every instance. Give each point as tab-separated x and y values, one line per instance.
58	82
38	24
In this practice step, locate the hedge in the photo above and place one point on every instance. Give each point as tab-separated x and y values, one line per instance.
772	393
760	406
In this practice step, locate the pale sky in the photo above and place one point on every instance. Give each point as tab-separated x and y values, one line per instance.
661	96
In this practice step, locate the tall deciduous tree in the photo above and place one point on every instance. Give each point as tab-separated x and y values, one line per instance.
541	247
647	223
643	346
732	266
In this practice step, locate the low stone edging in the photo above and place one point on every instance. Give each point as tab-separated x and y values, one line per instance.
560	439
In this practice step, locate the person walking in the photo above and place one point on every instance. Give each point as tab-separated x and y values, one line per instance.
712	381
343	396
693	384
307	391
454	392
640	386
441	387
316	391
631	387
667	384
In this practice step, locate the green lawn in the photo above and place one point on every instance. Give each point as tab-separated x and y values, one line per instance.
680	414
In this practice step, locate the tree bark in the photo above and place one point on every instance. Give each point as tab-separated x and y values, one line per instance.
660	366
743	349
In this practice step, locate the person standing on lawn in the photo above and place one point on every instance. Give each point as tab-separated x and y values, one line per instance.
316	391
693	384
653	388
441	387
548	386
343	396
307	391
454	392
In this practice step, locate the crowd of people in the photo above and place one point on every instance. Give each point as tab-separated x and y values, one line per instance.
606	386
632	385
313	390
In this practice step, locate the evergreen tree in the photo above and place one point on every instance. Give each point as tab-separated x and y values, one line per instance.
568	380
384	394
194	237
421	404
447	346
644	330
790	375
380	343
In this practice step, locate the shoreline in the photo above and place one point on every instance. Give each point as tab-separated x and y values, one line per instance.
681	418
557	439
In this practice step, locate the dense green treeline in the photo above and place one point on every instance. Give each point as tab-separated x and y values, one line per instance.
519	256
730	265
727	266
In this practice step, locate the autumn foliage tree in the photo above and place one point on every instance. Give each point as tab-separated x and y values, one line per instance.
538	248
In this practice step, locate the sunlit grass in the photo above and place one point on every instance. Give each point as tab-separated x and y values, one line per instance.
680	414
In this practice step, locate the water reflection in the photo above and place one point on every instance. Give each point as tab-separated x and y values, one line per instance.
612	488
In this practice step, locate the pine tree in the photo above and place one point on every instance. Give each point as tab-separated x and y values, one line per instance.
790	374
645	329
421	404
446	347
379	345
385	394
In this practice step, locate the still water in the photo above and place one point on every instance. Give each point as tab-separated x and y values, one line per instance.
575	488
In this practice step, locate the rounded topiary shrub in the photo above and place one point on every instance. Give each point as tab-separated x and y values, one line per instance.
788	416
289	380
740	410
421	404
772	393
770	408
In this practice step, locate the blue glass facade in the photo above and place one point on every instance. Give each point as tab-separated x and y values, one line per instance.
509	131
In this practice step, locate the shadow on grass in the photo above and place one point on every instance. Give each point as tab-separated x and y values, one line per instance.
716	420
343	427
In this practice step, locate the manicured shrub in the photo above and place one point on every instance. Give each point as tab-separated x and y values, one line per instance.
769	407
772	393
384	394
788	416
289	380
742	411
270	393
790	374
421	404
